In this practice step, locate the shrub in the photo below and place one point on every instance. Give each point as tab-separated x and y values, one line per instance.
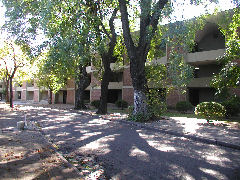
130	110
121	104
232	106
156	102
95	103
158	109
210	110
183	106
140	117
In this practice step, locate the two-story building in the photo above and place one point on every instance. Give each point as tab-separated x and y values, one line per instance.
210	44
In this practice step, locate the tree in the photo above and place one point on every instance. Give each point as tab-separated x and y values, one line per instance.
13	61
45	76
229	76
66	37
101	15
72	27
151	12
149	18
180	38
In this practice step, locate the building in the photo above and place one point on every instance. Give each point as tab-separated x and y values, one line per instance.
210	44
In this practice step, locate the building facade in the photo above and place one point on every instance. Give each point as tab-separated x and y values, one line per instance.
210	44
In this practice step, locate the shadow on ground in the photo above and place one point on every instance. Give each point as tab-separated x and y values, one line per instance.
130	152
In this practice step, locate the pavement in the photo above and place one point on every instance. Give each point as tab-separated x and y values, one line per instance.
216	132
175	148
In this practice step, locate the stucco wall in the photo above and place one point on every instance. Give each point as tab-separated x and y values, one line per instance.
173	97
95	94
212	41
128	95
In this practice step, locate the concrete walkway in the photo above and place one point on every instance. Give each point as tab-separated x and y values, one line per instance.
215	132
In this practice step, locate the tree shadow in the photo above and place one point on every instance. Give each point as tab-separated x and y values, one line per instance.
130	152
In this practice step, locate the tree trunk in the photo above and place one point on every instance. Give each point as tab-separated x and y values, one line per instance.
11	93
7	92
137	70
82	83
50	97
102	109
149	18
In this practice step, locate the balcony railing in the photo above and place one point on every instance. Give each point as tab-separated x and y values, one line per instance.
200	82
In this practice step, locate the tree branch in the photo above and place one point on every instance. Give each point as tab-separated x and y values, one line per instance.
125	25
145	18
156	13
103	27
150	21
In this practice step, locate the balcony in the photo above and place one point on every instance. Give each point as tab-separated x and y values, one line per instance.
18	88
200	82
115	85
204	56
30	88
162	60
113	66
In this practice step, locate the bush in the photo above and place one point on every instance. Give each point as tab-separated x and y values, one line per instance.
183	106
158	109
232	106
121	104
210	110
95	103
156	102
140	117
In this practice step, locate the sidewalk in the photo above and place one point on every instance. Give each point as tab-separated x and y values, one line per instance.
217	132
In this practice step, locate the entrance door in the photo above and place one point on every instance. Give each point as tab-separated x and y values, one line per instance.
194	96
64	97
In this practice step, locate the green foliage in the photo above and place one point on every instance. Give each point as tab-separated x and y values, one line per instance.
179	72
130	110
140	117
121	104
183	106
232	106
210	110
180	37
229	76
158	109
95	103
156	102
157	106
158	45
156	75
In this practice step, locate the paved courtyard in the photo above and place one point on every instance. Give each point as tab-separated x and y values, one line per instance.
133	152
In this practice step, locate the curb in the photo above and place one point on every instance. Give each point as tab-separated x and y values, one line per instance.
59	154
191	137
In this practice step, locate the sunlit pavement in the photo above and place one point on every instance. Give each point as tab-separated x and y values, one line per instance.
131	152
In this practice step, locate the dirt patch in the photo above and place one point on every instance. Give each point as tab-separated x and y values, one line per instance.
27	155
